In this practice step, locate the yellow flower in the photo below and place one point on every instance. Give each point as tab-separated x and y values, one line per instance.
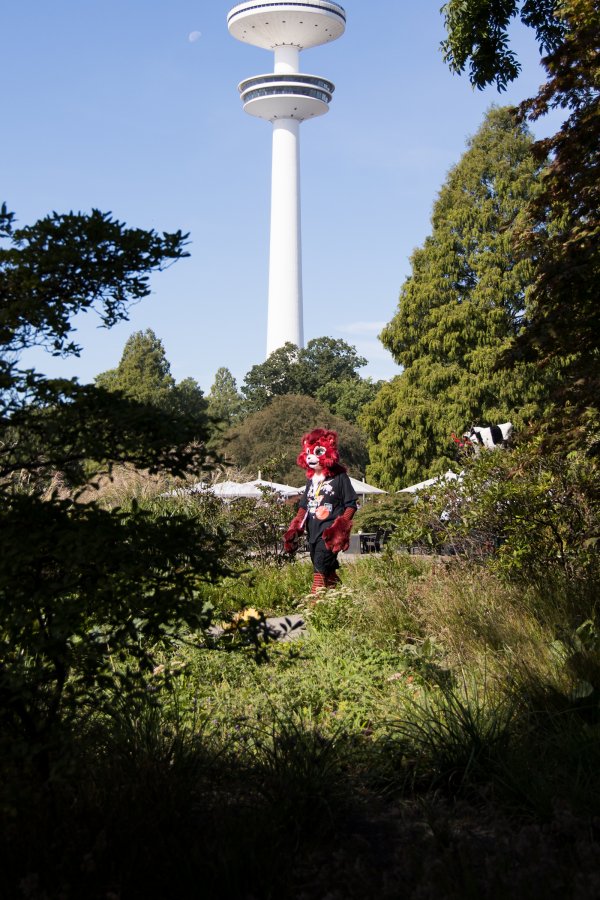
241	618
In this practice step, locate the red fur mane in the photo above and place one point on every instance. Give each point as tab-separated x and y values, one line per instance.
329	461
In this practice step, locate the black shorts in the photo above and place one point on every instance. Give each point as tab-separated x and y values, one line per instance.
323	560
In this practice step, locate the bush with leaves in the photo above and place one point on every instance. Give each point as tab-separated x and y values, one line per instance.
382	512
85	592
530	512
270	440
429	522
543	507
253	528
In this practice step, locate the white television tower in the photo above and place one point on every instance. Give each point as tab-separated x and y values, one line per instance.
285	98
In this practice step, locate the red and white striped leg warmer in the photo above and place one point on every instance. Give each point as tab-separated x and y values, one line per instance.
318	582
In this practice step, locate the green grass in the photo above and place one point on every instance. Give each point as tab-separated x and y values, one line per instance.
436	729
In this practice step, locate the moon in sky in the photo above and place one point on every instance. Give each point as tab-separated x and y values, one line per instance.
194	36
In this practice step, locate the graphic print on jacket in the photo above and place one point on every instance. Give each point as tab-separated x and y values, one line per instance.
324	501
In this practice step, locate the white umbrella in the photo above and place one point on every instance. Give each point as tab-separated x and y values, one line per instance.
286	490
233	489
185	491
227	490
361	487
447	476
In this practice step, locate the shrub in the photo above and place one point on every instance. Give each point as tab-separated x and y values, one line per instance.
382	513
530	513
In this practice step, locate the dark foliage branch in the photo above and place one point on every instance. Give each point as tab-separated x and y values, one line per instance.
563	324
68	263
85	590
49	272
477	36
79	422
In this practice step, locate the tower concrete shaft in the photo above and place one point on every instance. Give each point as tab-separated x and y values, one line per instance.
285	319
286	98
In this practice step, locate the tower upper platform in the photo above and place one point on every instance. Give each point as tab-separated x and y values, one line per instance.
286	96
302	25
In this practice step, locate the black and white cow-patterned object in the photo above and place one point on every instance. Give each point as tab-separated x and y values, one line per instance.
490	437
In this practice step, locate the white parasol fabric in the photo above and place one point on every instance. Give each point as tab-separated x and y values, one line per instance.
361	487
227	490
234	489
447	476
286	490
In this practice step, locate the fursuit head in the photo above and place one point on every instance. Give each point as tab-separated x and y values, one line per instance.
320	448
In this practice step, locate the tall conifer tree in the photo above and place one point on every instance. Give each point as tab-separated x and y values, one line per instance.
224	401
460	308
144	374
563	326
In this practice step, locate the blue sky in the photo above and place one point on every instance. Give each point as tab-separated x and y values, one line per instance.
132	106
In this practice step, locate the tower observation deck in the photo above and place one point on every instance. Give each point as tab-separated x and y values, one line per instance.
286	97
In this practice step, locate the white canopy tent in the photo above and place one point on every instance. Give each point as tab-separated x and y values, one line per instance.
234	490
447	476
231	490
227	490
362	488
285	490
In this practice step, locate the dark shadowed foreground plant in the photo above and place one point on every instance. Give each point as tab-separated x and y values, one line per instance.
85	592
300	774
152	809
455	736
87	601
338	766
254	527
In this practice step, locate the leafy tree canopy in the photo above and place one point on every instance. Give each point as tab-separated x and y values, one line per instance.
324	360
477	36
279	374
462	305
562	328
290	370
348	397
270	439
144	374
188	399
224	400
68	263
81	585
563	323
49	272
